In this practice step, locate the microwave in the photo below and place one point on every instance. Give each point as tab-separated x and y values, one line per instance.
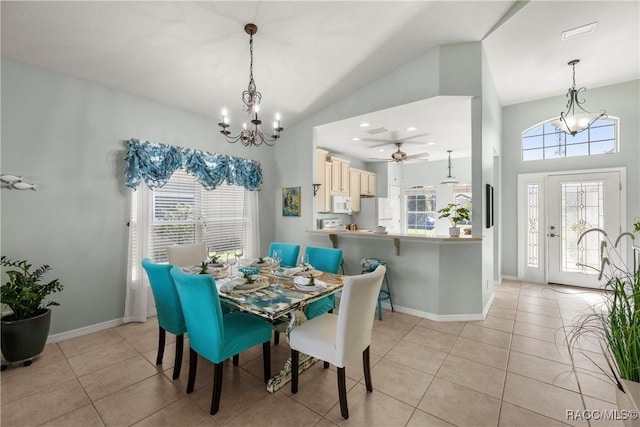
341	204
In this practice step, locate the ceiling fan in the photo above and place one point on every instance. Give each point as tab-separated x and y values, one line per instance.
400	156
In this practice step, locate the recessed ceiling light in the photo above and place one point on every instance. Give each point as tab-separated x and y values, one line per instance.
410	128
355	139
431	143
579	31
381	150
365	125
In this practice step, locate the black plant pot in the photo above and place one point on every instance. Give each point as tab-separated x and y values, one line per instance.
24	339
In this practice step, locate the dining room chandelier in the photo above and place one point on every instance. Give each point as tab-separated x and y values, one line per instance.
251	133
571	122
449	179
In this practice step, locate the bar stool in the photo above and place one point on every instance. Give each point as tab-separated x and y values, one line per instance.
369	265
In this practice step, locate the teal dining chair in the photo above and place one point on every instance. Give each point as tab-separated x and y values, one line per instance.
328	260
289	253
168	309
214	335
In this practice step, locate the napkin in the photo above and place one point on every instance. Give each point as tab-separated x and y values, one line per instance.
291	271
227	285
265	261
304	281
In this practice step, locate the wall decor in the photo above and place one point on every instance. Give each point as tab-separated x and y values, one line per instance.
291	201
489	205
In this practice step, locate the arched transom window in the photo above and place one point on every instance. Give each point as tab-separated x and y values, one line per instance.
543	141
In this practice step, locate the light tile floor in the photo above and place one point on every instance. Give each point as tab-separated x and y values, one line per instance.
511	369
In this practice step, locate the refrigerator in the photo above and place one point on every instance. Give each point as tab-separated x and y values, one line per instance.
375	211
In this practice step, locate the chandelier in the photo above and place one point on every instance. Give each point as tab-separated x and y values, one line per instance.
449	179
251	133
571	122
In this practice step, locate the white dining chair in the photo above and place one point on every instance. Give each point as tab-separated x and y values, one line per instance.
187	254
336	339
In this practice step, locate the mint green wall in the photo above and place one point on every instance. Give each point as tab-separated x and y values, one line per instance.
68	137
620	100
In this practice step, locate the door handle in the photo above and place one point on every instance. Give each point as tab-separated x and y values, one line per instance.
552	235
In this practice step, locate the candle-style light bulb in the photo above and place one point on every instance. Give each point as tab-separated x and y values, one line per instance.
225	119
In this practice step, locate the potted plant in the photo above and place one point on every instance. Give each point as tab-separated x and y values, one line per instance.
455	213
615	323
24	332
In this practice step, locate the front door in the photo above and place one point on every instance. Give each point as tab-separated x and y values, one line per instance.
576	203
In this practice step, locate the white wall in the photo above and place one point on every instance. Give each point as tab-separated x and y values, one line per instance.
68	137
620	100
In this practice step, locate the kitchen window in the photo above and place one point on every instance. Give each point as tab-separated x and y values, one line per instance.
421	211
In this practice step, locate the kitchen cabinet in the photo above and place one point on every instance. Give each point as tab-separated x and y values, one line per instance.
323	177
354	188
367	183
339	177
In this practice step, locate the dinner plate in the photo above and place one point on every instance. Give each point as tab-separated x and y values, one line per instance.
307	288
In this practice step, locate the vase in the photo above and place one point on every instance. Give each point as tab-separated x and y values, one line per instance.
454	231
628	402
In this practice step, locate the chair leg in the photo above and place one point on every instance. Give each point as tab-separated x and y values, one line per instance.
295	365
236	359
161	340
266	360
325	365
386	278
379	308
276	337
366	364
342	393
193	366
177	363
217	387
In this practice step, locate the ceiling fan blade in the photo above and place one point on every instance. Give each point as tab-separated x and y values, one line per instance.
416	136
417	156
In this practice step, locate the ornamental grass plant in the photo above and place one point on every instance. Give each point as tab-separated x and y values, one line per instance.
614	322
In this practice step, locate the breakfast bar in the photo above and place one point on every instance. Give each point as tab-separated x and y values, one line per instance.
438	278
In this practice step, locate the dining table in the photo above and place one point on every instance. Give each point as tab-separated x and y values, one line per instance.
279	298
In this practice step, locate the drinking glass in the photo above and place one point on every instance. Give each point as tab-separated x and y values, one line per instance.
277	258
231	260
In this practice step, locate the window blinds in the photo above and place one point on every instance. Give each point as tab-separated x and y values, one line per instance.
183	212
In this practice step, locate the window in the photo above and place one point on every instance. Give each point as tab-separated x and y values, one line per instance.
544	141
462	197
421	211
183	212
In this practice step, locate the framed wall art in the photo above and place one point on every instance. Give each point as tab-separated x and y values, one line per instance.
489	213
291	201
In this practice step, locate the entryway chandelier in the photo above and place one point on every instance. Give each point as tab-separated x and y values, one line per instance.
251	133
449	179
570	122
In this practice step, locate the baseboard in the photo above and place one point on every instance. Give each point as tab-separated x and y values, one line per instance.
435	317
510	278
488	305
84	331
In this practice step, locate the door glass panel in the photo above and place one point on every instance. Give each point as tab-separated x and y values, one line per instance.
582	209
533	250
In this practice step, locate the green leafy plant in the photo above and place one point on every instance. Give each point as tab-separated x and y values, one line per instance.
455	213
615	322
636	226
24	291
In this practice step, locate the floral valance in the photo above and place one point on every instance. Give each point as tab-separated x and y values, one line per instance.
154	163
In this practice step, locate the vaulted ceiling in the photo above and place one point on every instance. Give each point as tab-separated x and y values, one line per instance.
307	55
